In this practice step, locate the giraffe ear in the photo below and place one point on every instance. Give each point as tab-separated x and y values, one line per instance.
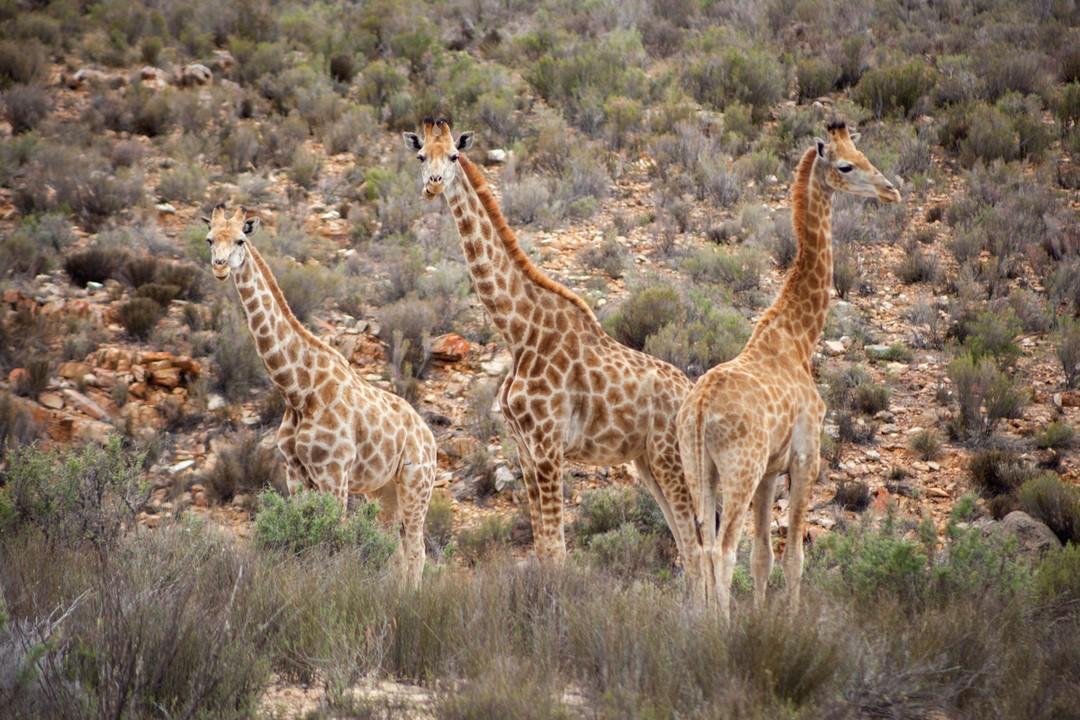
412	141
465	141
206	220
251	224
820	147
855	137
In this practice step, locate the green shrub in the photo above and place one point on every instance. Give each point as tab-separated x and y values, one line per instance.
342	68
869	564
609	256
626	551
603	510
926	444
997	471
894	89
22	62
740	270
993	335
305	168
984	394
1057	434
186	183
917	266
645	311
244	467
1057	577
712	334
311	519
1055	502
17	427
490	537
816	76
140	316
236	362
25	106
724	75
159	293
76	497
439	523
1068	350
871	398
990	135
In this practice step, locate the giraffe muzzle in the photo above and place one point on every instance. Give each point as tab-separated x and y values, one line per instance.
221	272
432	189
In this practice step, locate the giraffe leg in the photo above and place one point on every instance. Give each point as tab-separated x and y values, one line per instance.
700	476
532	488
803	471
390	517
550	542
286	442
742	474
679	514
761	557
413	496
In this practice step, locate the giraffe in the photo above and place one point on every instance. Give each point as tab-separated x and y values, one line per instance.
339	433
573	393
752	418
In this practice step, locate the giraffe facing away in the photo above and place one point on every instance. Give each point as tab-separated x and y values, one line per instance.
749	420
573	393
339	434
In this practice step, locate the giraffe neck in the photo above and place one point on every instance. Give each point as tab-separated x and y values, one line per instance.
506	281
284	345
800	310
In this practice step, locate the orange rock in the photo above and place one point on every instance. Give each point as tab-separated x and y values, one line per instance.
73	370
12	296
51	400
449	348
188	365
153	356
166	377
84	404
19	377
137	389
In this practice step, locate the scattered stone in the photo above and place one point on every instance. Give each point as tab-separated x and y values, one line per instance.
877	352
223	61
84	404
496	366
73	370
215	402
19	377
165	209
449	348
194	74
496	156
1034	538
51	400
181	466
504	478
834	347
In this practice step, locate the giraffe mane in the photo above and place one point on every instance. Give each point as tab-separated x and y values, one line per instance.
800	191
509	240
283	303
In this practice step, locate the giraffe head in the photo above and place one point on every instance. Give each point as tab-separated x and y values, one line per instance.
437	152
848	170
227	239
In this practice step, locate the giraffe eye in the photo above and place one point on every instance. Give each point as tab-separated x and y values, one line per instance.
240	241
845	168
453	158
420	158
209	241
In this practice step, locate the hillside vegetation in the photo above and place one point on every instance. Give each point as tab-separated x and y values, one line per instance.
643	152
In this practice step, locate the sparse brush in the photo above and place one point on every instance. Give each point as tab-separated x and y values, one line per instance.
244	467
140	316
93	265
489	538
926	444
1055	502
1057	435
996	471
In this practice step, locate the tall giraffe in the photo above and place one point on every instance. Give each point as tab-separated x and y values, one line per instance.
759	415
339	434
573	393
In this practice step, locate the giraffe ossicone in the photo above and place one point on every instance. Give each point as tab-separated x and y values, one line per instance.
572	392
339	433
749	420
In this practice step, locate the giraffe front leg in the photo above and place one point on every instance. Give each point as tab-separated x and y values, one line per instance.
550	542
413	498
286	442
805	464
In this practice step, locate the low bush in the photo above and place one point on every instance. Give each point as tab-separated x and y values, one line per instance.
917	266
1056	503
1068	350
310	519
997	471
926	444
643	313
817	76
726	74
25	106
244	467
483	542
140	316
1057	435
609	256
984	395
439	524
78	497
1057	578
17	428
92	265
993	335
894	89
185	183
22	62
236	362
